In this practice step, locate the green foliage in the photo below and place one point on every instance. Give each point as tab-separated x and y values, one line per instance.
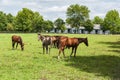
37	22
24	19
10	18
3	21
111	21
97	20
60	24
48	25
63	28
117	28
76	15
88	25
9	27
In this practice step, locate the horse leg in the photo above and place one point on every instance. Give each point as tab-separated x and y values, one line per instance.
49	50
46	49
63	53
54	45
43	49
59	53
13	43
75	52
16	45
72	51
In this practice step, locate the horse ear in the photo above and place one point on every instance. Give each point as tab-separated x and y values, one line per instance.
39	34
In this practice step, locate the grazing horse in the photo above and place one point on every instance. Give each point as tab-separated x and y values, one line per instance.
17	39
46	41
71	42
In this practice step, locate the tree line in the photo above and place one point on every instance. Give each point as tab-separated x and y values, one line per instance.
77	15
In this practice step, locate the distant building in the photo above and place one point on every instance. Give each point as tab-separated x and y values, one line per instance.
81	30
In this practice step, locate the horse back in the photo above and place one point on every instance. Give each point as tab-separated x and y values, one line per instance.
72	42
62	42
16	38
46	40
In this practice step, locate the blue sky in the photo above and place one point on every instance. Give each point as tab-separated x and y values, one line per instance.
52	9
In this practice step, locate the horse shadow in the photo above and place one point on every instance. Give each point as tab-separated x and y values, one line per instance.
102	65
115	46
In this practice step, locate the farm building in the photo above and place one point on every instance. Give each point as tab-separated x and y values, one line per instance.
96	30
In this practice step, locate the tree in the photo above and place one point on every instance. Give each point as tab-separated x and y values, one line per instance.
48	25
10	22
77	15
37	22
60	24
111	21
88	25
9	27
97	20
24	19
3	21
117	28
10	18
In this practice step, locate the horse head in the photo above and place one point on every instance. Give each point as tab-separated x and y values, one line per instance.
22	46
84	40
40	37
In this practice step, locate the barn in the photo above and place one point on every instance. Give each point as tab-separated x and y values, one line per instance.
96	30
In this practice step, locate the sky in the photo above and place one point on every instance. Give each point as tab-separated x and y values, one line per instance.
53	9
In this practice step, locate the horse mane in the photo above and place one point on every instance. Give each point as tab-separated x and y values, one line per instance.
81	39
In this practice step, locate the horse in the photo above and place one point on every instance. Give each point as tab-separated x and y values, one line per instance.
17	39
46	41
54	39
71	42
57	41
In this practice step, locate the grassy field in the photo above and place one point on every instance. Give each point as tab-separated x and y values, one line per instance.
99	61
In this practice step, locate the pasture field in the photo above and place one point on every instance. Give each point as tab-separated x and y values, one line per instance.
99	61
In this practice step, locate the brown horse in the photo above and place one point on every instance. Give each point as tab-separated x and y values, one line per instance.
57	41
17	39
71	42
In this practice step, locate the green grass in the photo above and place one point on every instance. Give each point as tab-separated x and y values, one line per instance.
99	61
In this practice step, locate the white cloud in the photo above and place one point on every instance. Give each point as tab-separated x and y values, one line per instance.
51	9
52	0
55	9
9	2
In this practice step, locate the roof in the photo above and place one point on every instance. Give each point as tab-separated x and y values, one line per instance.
96	26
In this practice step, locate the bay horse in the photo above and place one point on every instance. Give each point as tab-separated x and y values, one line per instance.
57	40
46	42
17	40
71	42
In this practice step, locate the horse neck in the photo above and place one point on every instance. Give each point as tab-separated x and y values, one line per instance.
21	43
42	37
81	40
